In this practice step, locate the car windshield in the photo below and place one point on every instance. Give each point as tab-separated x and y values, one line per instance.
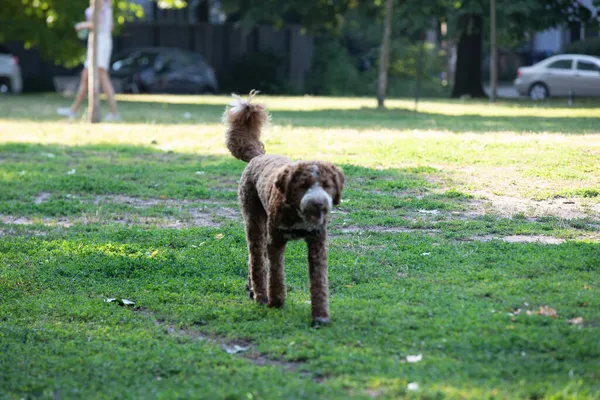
134	60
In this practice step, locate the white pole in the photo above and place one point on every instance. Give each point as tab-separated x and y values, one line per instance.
93	99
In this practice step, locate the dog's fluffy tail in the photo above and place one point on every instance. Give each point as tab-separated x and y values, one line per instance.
245	121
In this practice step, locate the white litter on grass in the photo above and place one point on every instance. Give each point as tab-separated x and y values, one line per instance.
71	172
200	172
50	155
235	349
432	212
187	115
22	173
425	254
414	359
413	386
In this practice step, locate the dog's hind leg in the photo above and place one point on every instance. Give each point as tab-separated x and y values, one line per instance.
275	251
317	269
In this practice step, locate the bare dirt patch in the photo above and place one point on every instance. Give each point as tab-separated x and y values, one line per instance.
508	206
236	347
540	239
360	230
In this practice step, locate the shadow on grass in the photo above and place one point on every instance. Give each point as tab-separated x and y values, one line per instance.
136	112
67	175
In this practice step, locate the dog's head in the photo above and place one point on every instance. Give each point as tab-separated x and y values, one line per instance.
312	188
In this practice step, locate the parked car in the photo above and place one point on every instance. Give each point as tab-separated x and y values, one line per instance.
10	72
163	70
560	75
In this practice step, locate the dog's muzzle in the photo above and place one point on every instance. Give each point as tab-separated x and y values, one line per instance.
315	204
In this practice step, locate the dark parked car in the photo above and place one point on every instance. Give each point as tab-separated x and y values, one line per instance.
163	70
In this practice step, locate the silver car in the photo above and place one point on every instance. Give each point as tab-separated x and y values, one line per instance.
10	72
560	75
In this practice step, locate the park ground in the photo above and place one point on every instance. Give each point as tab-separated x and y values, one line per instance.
464	259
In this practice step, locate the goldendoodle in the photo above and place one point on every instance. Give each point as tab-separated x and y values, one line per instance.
281	200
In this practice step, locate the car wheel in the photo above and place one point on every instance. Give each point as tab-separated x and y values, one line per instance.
5	86
539	91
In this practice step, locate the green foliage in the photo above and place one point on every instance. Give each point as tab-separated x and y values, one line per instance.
264	70
316	16
49	24
335	72
590	46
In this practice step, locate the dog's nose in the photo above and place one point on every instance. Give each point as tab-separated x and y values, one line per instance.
319	205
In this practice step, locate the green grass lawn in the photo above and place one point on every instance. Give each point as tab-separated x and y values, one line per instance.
468	235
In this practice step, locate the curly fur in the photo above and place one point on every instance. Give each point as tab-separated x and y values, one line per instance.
281	200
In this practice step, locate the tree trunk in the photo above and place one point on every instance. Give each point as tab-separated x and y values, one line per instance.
419	72
493	53
467	78
384	60
93	100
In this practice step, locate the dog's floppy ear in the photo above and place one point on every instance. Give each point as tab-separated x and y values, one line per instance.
282	182
338	178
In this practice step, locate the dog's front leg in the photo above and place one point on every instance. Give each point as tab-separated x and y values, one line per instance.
275	252
317	269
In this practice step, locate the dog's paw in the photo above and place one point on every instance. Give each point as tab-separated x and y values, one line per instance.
276	303
318	322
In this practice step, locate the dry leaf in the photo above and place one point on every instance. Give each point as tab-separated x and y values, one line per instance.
576	321
219	236
547	311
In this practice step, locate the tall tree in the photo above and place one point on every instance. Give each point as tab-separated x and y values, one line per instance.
493	53
384	60
515	21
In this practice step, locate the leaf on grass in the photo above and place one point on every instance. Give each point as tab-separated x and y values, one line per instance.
547	312
576	321
414	359
235	349
219	236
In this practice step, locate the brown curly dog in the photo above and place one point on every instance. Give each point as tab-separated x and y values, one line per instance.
281	200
